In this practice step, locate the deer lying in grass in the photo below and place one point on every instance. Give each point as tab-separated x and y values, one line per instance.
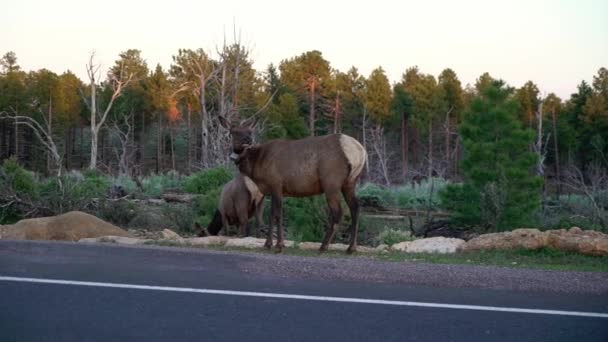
311	166
240	200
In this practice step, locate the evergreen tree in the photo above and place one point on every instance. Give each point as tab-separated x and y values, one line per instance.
498	192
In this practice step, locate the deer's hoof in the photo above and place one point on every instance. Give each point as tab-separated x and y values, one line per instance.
268	244
351	249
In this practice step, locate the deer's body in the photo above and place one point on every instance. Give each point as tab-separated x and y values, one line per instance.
311	166
239	201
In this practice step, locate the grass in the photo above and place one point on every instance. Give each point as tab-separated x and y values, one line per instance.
546	258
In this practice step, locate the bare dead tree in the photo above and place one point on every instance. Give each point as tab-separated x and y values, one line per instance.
592	183
123	131
99	119
42	133
378	143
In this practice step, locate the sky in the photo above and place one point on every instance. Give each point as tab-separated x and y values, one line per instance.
554	43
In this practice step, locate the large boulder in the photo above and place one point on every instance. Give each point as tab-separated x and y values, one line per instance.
577	240
523	238
437	244
71	226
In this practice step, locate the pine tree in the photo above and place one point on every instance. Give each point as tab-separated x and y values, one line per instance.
499	192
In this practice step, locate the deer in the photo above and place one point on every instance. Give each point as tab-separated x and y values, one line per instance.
329	164
240	199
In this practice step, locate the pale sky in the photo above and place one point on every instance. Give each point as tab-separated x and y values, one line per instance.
555	43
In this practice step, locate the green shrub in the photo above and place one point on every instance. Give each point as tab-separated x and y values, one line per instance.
306	218
181	216
17	180
126	183
206	205
74	191
376	195
120	213
207	180
410	196
156	185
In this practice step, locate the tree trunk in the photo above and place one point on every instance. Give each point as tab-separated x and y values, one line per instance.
172	146
189	140
311	117
159	139
404	144
447	142
556	151
16	141
430	152
94	128
50	130
204	125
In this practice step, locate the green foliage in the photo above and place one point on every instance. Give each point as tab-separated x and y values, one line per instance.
74	191
498	192
181	216
284	120
120	213
206	205
15	179
155	185
412	195
207	180
306	218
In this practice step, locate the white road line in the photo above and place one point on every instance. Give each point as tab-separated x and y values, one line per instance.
305	297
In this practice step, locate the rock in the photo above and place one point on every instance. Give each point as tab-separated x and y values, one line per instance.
72	226
382	247
339	247
437	244
309	246
523	238
367	250
587	242
116	239
247	242
168	234
207	241
401	246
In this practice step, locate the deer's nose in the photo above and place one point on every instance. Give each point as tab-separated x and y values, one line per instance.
235	157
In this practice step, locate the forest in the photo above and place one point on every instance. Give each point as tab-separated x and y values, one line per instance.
492	155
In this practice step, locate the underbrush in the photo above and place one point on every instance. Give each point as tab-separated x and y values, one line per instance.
423	195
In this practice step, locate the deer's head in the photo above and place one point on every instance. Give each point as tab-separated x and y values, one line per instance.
242	136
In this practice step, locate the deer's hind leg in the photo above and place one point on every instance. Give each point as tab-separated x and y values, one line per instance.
335	216
348	191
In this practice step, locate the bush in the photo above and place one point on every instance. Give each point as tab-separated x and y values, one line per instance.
207	180
412	195
15	181
306	218
375	195
74	191
120	213
156	185
126	183
181	216
206	205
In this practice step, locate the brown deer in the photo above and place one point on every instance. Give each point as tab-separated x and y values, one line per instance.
311	166
240	200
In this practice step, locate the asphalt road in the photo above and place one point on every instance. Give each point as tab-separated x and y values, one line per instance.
166	294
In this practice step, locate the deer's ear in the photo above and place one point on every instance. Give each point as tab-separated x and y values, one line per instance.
224	122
